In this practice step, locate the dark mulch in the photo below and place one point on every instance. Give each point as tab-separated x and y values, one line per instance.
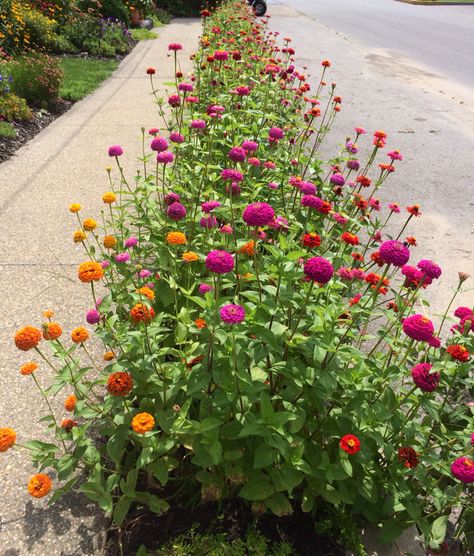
233	518
27	130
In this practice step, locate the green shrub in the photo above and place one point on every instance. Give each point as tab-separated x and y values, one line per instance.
81	29
36	77
63	45
109	8
7	129
14	108
41	29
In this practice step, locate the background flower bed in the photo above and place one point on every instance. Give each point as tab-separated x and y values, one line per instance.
236	355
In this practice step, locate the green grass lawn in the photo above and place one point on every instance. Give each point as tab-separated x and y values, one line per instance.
143	34
83	75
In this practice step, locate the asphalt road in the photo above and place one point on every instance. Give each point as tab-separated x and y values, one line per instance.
440	37
428	117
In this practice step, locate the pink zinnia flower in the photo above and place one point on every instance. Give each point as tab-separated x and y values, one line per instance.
186	87
131	242
463	469
463	312
418	328
423	378
198	124
337	179
122	257
159	144
208	222
249	146
221	55
171	198
318	269
115	150
174	100
353	164
272	185
231	174
431	269
93	316
209	206
176	211
165	157
395	155
394	207
233	189
176	137
394	252
258	214
204	288
226	229
242	90
144	273
307	188
219	262
275	134
175	46
232	314
237	154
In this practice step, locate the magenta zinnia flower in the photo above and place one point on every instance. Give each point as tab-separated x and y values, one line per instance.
394	252
258	214
418	328
165	157
463	469
275	133
237	154
176	137
220	262
131	242
171	198
249	146
93	316
176	211
159	144
307	188
204	288
423	378
318	269
430	268
232	314
198	124
175	46
208	222
115	150
337	179
209	206
231	174
122	257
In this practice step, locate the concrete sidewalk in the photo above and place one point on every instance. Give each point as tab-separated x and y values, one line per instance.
65	163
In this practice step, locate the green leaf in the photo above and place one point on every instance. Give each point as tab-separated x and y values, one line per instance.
264	456
258	487
128	487
159	469
279	504
92	490
116	444
331	494
157	505
121	510
142	551
438	531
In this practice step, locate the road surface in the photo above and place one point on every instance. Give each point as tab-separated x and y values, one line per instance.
387	59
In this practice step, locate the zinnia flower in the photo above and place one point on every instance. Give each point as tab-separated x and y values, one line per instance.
39	485
109	242
458	352
119	384
176	211
424	378
190	257
7	439
165	157
28	337
89	224
408	456
90	271
75	207
176	238
318	269
258	214
79	236
418	328
68	424
237	154
115	150
350	239
204	288
141	313
463	469
311	240
232	314
350	444
159	144
70	403
394	252
220	262
93	316
52	330
142	423
79	335
431	269
28	368
109	197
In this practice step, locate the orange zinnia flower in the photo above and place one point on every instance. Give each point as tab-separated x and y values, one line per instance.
52	330
7	439
39	485
248	248
109	355
48	314
79	236
109	242
142	423
79	335
141	313
75	207
89	271
176	238
89	224
70	403
28	337
109	197
200	323
190	257
68	424
28	368
119	384
147	292
414	210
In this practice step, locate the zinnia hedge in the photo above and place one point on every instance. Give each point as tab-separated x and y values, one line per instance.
263	332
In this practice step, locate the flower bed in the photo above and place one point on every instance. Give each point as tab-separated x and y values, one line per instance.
264	336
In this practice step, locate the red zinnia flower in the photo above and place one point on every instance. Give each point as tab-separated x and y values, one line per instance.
364	181
409	457
151	71
414	210
350	444
311	240
350	239
458	352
